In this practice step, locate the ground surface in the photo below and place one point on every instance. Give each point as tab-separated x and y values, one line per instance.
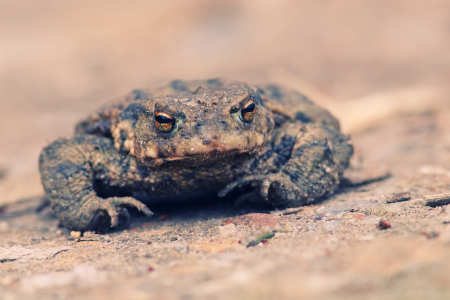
59	62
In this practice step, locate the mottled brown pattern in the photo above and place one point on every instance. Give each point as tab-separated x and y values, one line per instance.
292	151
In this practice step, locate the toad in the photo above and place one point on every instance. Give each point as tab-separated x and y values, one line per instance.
190	137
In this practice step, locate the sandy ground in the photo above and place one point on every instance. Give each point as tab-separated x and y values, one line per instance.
382	67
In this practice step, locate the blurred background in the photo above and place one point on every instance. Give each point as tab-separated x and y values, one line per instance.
59	60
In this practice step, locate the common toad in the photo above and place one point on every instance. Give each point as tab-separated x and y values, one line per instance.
188	137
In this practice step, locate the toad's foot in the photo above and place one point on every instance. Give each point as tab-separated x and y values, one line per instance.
312	171
101	214
265	182
114	208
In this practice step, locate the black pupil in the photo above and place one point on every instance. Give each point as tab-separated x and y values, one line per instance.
163	119
249	108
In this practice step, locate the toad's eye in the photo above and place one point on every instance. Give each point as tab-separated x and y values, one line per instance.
164	122
248	110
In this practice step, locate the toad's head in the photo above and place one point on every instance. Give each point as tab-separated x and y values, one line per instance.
204	124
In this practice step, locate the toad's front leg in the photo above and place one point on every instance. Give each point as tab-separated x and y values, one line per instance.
68	173
308	168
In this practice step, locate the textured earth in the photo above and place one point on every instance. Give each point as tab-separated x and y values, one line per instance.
336	249
383	235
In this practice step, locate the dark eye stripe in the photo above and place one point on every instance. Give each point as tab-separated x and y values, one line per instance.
163	116
249	105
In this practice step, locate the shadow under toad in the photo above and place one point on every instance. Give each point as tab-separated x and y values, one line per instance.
202	208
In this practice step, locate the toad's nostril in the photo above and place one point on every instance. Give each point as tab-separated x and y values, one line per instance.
206	142
223	124
199	126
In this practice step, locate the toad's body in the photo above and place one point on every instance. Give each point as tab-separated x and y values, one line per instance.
190	137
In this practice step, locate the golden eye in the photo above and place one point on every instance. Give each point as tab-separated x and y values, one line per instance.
248	110
164	122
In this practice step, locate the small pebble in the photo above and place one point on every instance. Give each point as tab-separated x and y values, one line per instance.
400	197
291	211
383	225
75	234
431	235
255	239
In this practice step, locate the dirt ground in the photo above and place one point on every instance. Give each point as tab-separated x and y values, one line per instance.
381	66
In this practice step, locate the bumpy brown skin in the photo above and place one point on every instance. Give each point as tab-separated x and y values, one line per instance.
291	151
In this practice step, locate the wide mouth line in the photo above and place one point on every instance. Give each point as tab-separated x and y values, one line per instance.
211	153
214	153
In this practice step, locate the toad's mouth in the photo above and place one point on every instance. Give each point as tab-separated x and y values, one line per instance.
200	149
204	158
